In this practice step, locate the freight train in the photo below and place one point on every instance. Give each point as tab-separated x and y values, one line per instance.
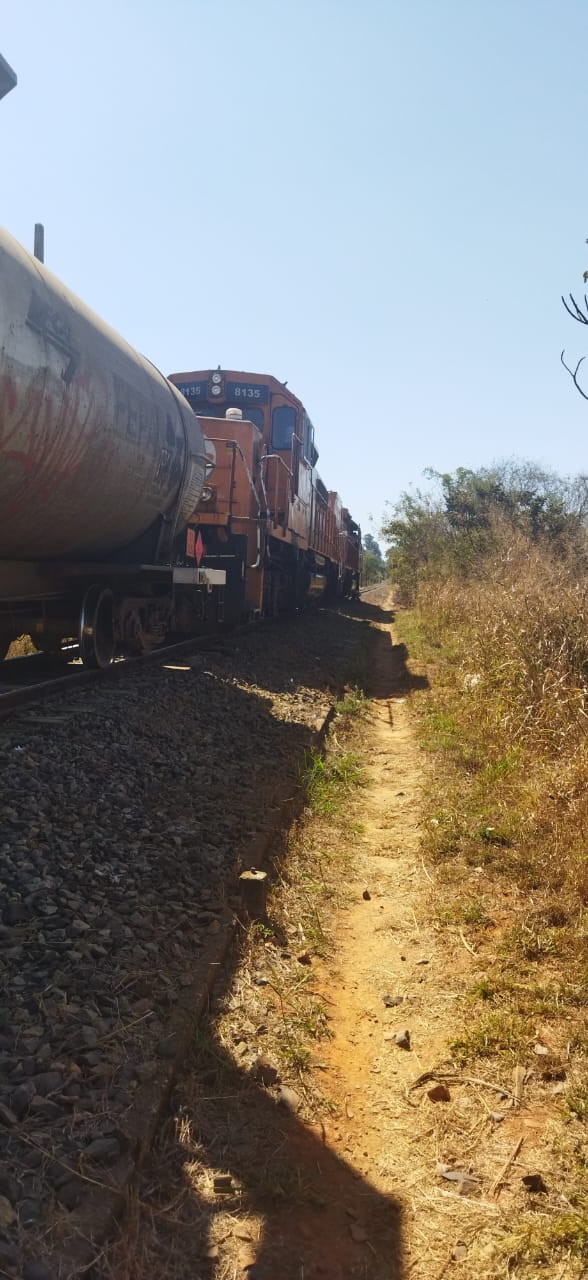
265	516
125	516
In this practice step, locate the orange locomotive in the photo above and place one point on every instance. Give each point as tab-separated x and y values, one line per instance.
266	516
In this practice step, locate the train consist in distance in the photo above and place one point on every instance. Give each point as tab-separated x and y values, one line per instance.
265	516
134	507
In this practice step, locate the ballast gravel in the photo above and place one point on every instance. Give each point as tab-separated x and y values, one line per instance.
123	808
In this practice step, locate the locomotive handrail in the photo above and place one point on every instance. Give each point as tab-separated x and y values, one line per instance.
236	447
289	485
234	444
267	457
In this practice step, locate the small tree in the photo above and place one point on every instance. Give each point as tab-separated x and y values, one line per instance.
579	313
473	513
417	533
370	544
374	567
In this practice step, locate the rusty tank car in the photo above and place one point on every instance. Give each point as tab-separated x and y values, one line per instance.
102	463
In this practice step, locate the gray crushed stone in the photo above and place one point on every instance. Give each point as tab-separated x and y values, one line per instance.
123	808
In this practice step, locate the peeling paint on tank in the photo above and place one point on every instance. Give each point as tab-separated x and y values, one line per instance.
49	445
91	457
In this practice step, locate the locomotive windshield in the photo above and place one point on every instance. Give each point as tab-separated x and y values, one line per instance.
283	426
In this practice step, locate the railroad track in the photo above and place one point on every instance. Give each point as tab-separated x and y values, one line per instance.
36	677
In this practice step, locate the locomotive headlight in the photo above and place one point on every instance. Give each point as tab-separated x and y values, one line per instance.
207	494
216	390
216	378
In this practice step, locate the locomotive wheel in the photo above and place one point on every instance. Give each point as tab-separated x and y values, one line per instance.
97	643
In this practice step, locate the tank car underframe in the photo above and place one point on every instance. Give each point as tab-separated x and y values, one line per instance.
110	608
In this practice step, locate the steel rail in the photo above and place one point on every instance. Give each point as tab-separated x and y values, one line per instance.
39	689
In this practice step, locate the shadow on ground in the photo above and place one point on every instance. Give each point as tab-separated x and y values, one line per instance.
379	668
321	1219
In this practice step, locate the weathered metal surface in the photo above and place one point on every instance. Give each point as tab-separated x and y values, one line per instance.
95	444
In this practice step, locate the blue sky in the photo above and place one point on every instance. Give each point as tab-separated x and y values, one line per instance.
380	201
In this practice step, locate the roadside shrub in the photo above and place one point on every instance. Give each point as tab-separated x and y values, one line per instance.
523	651
513	685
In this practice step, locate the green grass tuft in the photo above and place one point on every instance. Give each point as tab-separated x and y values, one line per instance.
328	781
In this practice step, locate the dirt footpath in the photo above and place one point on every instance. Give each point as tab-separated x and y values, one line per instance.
450	1150
321	1130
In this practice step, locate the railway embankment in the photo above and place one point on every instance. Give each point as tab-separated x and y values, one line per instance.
387	1085
127	809
388	1074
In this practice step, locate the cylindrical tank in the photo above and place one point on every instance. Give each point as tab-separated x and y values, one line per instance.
95	444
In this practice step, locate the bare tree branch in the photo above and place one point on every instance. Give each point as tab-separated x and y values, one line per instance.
574	372
577	313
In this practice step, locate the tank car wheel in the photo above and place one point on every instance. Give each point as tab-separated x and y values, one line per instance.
97	642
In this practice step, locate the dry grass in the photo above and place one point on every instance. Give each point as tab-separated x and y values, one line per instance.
21	648
506	733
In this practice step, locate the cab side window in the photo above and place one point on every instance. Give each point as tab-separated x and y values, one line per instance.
283	426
